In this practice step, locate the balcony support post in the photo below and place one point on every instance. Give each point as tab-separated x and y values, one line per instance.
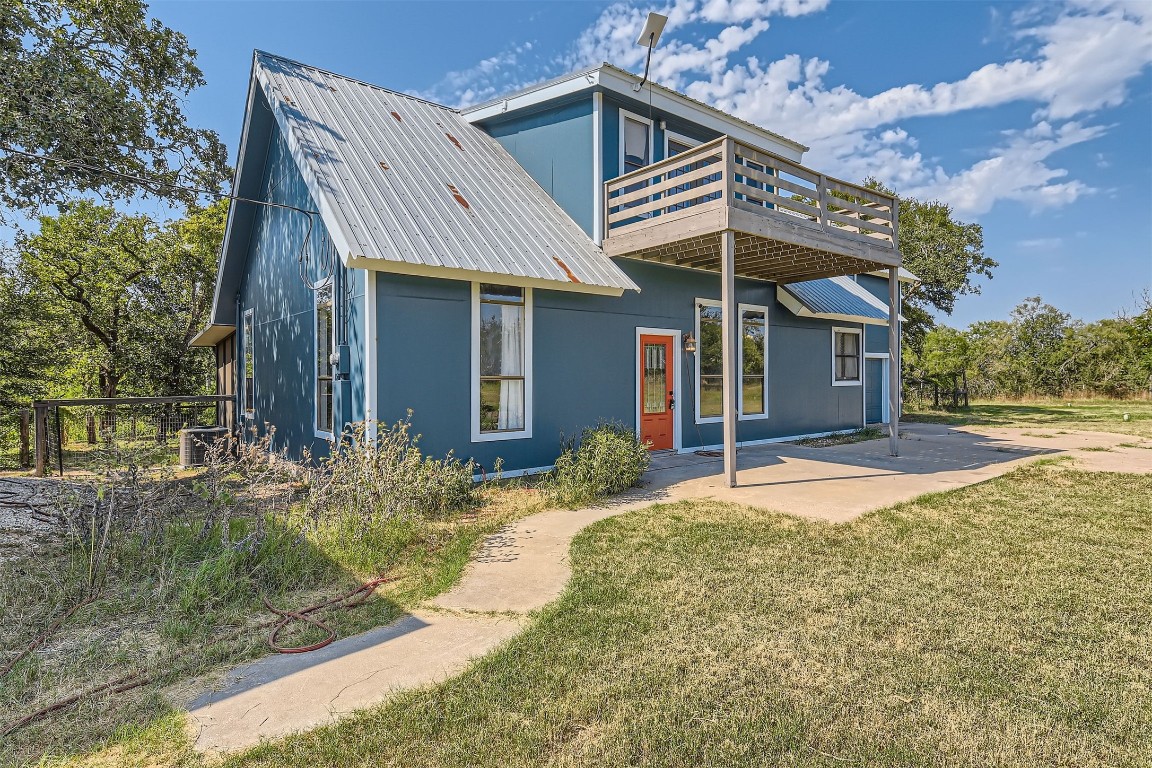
730	330
894	384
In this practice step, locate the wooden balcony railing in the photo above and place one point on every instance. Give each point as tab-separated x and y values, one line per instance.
726	172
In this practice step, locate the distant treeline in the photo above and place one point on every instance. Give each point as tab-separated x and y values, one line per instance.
1040	351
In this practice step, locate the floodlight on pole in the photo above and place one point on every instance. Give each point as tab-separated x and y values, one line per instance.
649	36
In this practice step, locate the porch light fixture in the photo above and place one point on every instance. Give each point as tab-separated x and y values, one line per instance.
690	344
649	36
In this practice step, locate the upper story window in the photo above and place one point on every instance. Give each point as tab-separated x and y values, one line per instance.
248	337
752	400
845	356
502	362
324	330
635	142
675	144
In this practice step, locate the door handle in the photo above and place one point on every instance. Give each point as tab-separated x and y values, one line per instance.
671	401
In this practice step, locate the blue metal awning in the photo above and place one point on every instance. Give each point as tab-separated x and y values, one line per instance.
833	298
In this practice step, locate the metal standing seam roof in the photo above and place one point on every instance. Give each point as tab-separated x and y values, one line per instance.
836	298
409	186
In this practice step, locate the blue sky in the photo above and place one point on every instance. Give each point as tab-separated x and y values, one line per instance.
1033	119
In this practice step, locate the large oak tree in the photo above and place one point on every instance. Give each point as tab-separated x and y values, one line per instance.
96	85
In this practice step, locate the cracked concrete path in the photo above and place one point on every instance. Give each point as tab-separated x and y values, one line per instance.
525	565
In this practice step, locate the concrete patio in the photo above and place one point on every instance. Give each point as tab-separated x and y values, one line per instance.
525	566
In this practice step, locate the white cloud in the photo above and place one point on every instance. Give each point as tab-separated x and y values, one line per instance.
1041	243
1081	56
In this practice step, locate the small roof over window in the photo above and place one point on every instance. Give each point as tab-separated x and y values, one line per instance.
833	298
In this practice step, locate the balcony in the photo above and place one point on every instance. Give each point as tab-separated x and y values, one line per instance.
787	222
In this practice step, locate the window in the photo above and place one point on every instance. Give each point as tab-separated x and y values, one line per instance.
845	356
753	362
249	334
710	369
635	143
635	152
675	144
752	398
502	359
324	330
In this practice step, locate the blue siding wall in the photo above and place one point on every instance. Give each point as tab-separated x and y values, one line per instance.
584	363
284	311
555	147
875	336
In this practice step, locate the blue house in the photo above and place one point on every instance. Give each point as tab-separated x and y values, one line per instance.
510	273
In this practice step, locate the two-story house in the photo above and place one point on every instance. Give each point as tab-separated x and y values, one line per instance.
510	273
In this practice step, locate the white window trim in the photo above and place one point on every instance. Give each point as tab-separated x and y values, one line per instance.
651	130
740	309
678	364
884	414
859	382
598	167
679	138
474	411
325	283
249	314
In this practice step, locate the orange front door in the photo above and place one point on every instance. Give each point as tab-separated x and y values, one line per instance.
657	388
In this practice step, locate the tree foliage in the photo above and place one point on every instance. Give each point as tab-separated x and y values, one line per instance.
1042	351
97	82
130	294
945	253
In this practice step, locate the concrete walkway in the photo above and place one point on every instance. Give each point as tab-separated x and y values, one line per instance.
525	566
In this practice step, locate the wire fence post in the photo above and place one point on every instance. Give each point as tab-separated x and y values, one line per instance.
25	442
41	420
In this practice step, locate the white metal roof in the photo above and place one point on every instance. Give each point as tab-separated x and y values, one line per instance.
408	186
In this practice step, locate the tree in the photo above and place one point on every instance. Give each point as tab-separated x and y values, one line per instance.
945	253
176	296
137	291
1037	347
30	355
96	82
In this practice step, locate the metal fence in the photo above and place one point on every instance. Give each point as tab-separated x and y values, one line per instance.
76	435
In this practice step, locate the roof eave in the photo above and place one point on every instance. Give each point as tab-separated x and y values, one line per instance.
470	275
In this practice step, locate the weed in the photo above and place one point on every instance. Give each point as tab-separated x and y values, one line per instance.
607	459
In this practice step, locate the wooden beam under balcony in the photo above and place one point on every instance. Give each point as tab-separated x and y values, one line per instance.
789	223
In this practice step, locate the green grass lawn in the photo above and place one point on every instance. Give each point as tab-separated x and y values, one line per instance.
1095	415
1002	624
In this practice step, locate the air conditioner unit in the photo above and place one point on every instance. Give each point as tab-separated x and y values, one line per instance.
194	441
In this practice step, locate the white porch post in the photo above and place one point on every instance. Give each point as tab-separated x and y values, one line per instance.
894	360
730	329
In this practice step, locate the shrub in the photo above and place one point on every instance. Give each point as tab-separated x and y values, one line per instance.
366	481
607	459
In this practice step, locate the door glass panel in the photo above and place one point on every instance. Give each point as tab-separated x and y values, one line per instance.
655	378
